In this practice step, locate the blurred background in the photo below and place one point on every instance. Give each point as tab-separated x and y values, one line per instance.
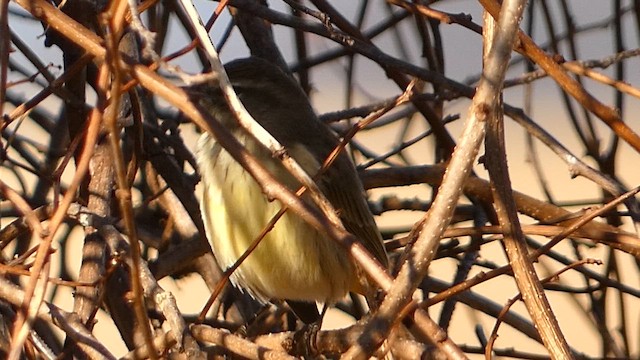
598	309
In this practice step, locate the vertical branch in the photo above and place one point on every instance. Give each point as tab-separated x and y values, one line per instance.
4	53
116	15
92	269
583	131
591	139
609	155
496	162
301	51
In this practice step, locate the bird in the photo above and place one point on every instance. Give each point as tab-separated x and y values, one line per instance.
294	261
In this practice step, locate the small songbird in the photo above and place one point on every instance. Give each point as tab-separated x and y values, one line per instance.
294	261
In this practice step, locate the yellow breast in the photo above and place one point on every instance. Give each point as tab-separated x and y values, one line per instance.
293	261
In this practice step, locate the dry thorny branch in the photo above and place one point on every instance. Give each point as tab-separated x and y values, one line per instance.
98	181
